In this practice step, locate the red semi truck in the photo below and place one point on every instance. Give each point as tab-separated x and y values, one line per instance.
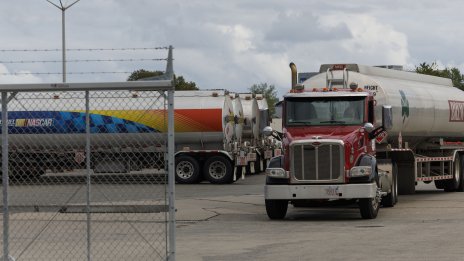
366	134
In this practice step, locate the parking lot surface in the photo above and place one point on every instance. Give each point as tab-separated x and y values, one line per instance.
229	222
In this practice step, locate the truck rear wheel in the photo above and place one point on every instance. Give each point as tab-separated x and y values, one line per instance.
461	183
187	170
218	170
276	209
451	185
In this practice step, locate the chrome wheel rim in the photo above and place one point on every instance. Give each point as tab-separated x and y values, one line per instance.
217	170
185	170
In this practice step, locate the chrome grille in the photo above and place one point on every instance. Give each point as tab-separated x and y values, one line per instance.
317	161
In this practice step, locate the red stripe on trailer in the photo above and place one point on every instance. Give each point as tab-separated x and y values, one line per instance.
434	178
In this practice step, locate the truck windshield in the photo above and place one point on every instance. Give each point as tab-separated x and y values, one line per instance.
324	111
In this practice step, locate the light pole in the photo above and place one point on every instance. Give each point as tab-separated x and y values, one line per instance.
63	9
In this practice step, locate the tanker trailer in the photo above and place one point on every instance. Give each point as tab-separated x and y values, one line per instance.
366	134
268	146
241	148
251	131
48	130
205	143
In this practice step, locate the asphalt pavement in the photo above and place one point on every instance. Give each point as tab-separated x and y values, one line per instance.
229	222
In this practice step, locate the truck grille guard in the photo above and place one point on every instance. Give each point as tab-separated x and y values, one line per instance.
317	161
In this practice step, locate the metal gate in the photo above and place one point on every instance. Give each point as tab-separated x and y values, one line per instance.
90	173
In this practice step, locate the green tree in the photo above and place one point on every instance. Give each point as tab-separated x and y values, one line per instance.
269	92
452	73
181	83
139	74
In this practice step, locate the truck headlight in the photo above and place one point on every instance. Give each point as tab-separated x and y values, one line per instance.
276	173
360	171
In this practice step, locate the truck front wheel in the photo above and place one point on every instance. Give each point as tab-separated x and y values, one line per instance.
276	209
369	207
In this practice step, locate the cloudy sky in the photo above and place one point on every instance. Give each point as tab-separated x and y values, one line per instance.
226	44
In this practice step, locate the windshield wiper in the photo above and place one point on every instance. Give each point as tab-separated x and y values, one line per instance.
300	122
333	121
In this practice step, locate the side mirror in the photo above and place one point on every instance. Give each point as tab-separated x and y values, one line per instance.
387	117
267	131
369	127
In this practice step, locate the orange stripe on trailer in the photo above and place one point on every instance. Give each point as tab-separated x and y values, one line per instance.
185	120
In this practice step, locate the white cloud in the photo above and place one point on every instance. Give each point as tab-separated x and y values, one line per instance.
21	77
373	42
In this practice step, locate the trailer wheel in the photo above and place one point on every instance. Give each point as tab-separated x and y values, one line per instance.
187	170
461	182
451	185
392	198
218	170
276	209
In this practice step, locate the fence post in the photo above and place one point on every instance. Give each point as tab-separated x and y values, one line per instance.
171	178
88	170
6	214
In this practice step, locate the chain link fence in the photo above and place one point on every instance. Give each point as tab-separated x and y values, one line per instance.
87	171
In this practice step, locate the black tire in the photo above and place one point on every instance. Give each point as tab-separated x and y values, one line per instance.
406	179
218	170
461	183
451	185
439	184
369	208
392	198
187	170
276	209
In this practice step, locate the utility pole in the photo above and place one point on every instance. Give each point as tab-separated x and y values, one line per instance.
63	9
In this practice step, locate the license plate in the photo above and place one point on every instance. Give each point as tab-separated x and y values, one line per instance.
332	191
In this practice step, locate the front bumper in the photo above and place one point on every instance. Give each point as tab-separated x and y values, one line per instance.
334	191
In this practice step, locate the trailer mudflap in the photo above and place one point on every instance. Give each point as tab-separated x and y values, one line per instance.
333	191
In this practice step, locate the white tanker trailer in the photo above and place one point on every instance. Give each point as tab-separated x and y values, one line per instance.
47	131
208	147
366	133
251	130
